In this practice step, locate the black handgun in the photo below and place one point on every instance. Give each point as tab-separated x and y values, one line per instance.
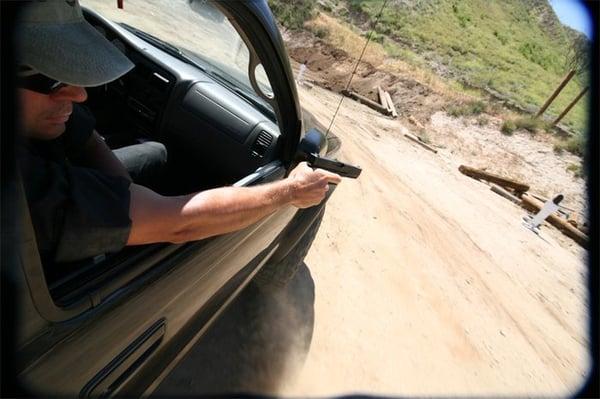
309	147
332	165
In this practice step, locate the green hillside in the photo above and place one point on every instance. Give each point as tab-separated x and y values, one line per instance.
516	48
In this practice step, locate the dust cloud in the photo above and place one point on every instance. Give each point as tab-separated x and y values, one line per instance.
258	345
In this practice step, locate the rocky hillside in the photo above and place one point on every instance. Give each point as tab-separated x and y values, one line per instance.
515	48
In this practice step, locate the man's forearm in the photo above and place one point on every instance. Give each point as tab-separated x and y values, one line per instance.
227	209
155	218
204	214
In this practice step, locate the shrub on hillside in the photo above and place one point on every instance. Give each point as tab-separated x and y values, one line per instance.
292	14
575	145
532	125
320	31
475	107
536	53
508	127
482	121
576	169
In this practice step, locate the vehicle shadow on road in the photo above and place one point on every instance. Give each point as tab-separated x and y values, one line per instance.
259	343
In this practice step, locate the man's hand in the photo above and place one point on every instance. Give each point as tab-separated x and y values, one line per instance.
155	218
310	186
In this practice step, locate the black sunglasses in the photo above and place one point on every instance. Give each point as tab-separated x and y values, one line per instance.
40	83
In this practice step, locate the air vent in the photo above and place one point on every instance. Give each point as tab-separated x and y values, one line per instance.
262	143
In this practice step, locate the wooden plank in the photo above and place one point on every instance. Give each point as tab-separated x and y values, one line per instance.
503	193
421	143
366	101
501	181
391	105
382	98
532	204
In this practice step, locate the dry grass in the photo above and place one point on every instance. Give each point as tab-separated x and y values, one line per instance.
468	108
341	36
427	78
575	145
576	169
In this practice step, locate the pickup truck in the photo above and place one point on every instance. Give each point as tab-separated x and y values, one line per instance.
213	83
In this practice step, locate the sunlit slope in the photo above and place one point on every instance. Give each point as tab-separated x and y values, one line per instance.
517	48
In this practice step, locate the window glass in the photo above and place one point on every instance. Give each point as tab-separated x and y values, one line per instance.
198	29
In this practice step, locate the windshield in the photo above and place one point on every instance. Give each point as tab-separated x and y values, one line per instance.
200	31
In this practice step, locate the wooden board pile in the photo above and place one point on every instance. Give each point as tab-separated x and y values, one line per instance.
386	101
385	105
517	192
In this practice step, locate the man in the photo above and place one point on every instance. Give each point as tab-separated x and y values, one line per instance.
81	197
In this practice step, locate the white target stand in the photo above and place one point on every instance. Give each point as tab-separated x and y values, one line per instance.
551	206
300	78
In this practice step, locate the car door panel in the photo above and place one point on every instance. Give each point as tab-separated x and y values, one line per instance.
176	297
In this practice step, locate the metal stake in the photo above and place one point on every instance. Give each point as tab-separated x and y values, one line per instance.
556	92
570	106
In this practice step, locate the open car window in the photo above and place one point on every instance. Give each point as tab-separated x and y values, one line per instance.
197	30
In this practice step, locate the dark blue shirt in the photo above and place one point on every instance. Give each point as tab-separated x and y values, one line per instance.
77	212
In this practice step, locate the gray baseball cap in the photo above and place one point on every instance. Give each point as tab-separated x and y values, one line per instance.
54	39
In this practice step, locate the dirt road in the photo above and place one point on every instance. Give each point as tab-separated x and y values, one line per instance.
420	282
426	282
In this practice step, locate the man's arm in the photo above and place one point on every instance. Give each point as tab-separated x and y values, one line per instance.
97	155
156	218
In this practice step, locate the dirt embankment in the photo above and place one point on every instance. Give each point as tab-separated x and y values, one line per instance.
331	69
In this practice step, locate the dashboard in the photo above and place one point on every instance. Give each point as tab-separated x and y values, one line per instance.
205	125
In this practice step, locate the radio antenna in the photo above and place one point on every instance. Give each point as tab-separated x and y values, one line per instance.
356	66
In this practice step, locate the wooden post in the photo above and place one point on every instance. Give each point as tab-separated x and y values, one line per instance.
421	143
382	98
501	181
556	92
562	115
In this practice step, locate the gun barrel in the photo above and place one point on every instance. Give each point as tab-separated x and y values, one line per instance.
335	166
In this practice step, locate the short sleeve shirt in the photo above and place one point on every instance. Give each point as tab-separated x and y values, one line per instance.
77	212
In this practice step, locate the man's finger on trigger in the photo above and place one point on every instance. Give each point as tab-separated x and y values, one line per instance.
335	179
331	177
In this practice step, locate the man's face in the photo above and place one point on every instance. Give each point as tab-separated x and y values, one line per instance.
44	115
